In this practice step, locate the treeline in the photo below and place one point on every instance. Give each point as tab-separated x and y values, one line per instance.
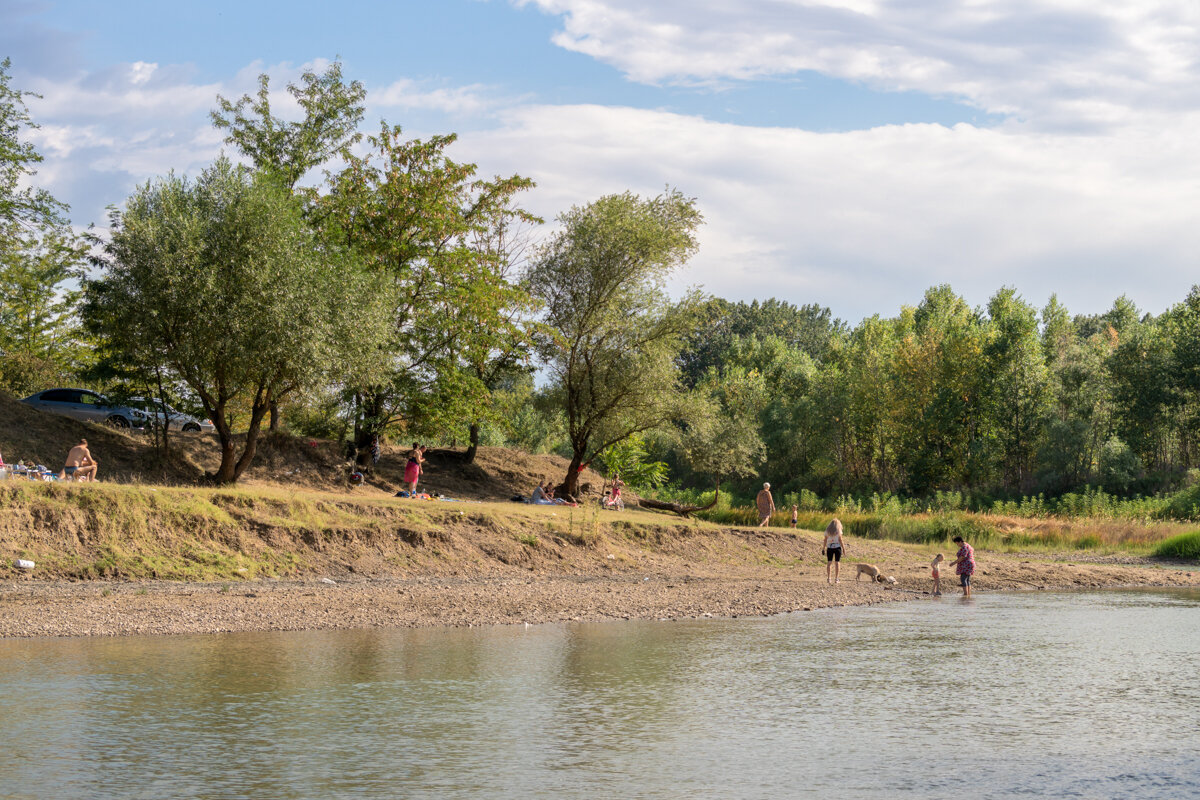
402	295
1005	399
992	403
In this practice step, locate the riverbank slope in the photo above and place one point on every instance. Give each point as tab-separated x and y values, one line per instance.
136	559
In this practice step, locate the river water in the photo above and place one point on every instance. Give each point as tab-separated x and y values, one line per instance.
1046	695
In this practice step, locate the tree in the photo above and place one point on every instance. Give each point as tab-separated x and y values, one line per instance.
1017	385
808	328
287	150
41	342
721	435
611	335
221	281
40	258
416	219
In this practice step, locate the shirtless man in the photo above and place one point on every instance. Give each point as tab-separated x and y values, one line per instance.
80	463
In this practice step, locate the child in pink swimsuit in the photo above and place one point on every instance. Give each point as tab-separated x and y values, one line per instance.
936	571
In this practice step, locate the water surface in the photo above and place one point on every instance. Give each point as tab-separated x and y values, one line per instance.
1067	695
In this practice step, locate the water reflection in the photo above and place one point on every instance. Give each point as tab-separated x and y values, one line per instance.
1090	695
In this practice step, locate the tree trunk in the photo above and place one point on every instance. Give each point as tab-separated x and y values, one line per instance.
570	484
368	425
473	448
273	426
256	417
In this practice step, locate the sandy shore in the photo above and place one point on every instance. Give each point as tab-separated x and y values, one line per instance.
30	607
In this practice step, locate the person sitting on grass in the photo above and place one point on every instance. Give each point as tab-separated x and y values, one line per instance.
543	495
80	464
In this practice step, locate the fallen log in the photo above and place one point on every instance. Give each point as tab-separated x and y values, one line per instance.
677	508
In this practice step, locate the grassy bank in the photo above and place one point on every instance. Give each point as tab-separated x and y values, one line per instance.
202	534
992	531
137	531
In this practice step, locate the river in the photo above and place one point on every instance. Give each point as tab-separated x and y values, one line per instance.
1089	695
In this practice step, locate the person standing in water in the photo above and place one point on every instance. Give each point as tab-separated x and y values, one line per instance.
766	505
834	547
964	564
936	573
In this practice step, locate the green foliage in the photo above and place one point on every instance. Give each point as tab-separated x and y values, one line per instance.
610	336
432	234
1183	546
628	459
221	281
40	261
1119	466
1183	505
286	150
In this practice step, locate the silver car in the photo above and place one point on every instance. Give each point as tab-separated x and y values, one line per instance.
87	406
178	421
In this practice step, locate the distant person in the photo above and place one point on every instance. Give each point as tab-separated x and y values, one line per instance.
558	501
795	516
80	464
834	547
935	570
543	495
412	470
766	505
964	564
614	498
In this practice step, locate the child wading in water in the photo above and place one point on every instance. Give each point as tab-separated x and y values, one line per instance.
936	571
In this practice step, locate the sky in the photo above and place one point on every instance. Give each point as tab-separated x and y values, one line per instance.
848	153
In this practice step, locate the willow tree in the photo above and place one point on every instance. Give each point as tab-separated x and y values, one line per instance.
221	281
612	335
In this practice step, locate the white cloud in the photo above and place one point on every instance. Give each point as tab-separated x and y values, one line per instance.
865	220
1058	64
861	221
456	100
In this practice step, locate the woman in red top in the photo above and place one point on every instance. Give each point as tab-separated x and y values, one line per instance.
964	564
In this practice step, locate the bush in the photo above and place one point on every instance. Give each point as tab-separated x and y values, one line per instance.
1119	466
1183	505
1185	545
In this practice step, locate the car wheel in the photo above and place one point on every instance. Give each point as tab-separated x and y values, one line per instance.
191	427
117	421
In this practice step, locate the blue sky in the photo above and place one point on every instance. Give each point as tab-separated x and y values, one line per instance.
850	153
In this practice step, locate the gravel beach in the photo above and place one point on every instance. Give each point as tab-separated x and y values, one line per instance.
30	607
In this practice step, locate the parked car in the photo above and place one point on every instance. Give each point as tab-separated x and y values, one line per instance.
87	406
178	421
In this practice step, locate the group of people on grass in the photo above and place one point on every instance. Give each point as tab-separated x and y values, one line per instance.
835	546
80	466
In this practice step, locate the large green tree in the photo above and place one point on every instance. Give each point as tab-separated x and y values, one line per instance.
221	281
612	335
425	225
41	260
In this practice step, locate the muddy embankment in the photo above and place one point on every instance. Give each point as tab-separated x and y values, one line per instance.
115	560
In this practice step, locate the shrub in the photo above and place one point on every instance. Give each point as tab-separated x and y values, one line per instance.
1183	505
1185	545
